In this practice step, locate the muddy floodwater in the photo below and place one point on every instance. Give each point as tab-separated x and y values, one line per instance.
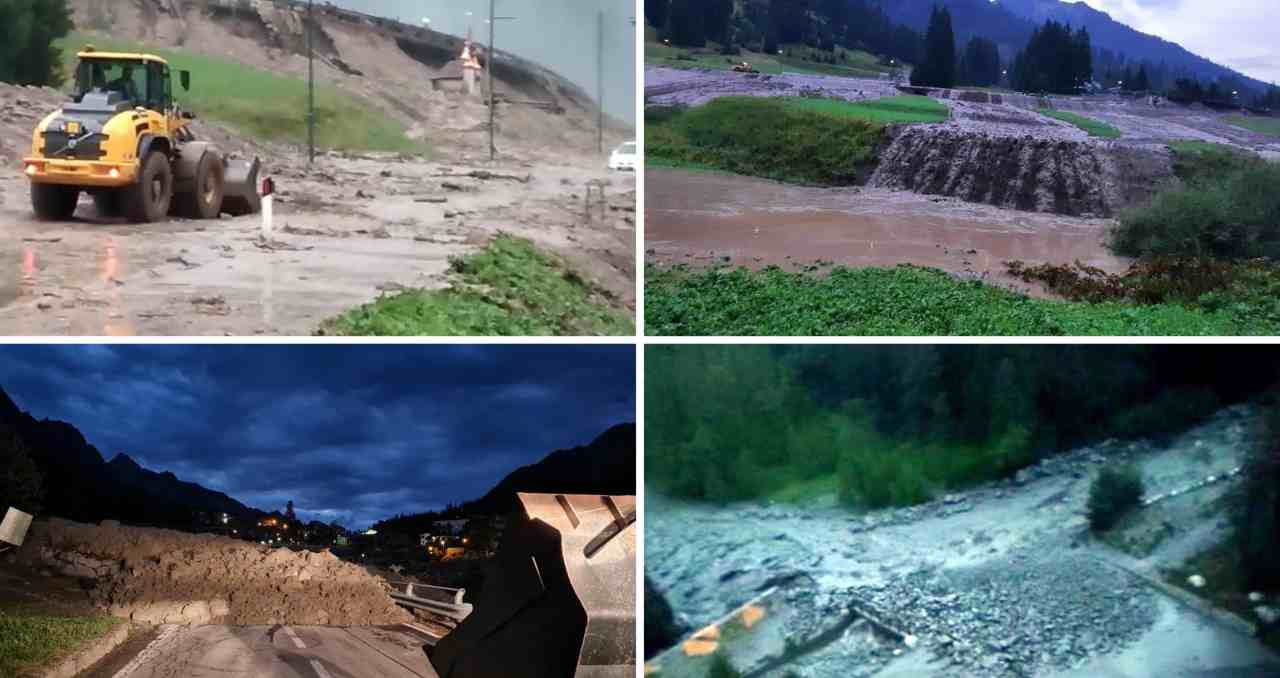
703	219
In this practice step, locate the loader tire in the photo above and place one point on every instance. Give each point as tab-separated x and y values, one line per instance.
52	202
150	198
207	187
109	203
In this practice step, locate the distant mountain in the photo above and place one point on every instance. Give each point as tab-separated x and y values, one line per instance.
80	485
605	466
1010	22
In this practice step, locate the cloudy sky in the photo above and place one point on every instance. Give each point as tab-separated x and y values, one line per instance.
1237	33
349	433
559	34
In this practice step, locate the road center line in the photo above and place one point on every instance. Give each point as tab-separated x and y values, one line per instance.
319	669
149	652
296	640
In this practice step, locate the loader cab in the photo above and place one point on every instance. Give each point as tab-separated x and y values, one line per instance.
122	81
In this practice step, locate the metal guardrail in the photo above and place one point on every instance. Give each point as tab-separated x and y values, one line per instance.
440	600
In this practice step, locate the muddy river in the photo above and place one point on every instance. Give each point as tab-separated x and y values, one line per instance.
704	218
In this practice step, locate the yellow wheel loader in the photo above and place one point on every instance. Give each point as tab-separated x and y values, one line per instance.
124	140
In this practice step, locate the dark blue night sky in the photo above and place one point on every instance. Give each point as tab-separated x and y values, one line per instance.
349	433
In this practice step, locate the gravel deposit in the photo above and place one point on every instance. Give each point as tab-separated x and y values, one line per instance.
163	576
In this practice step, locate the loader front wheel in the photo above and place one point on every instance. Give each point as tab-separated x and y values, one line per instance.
150	198
205	199
53	202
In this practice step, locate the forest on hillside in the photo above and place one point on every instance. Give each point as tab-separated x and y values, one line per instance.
896	425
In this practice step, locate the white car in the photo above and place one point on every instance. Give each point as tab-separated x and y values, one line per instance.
623	157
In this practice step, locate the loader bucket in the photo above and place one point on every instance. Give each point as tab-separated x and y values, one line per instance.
559	598
240	188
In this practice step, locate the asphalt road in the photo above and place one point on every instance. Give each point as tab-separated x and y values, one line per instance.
270	651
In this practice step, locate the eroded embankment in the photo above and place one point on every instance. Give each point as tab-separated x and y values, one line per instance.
162	576
1078	178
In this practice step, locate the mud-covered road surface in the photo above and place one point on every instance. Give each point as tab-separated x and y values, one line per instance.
346	230
702	219
1002	580
270	651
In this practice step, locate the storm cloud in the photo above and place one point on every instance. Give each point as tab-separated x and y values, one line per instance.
1235	33
349	433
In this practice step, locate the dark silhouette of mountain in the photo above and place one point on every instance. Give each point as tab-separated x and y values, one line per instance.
1010	22
80	485
605	466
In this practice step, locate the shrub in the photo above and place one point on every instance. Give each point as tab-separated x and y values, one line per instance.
1232	216
1115	491
661	629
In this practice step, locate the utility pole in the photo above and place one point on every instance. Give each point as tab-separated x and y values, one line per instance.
493	53
311	83
600	81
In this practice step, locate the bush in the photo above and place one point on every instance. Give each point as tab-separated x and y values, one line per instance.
1256	506
721	668
1115	491
1233	216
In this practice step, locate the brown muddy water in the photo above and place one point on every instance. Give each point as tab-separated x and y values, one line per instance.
705	219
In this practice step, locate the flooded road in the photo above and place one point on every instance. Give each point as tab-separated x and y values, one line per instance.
345	232
704	219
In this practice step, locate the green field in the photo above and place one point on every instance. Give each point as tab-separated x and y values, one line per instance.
821	142
511	288
912	301
1256	124
266	106
30	640
851	63
1093	127
891	110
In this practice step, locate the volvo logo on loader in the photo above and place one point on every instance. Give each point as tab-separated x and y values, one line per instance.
124	140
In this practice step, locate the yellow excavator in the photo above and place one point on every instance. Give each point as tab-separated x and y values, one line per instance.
123	139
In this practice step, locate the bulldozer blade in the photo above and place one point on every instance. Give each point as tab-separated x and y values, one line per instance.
559	598
240	187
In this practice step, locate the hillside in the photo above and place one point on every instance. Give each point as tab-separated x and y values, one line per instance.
80	485
604	466
389	65
1010	22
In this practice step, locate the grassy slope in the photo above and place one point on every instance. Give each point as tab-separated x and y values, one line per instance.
856	64
1095	128
1255	124
264	105
906	301
801	140
31	640
508	289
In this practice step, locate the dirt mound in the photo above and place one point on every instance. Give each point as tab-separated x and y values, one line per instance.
1034	173
164	576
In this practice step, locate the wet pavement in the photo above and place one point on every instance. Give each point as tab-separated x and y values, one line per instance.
352	228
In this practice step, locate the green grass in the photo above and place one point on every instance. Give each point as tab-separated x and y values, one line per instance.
31	640
1203	160
263	105
891	110
511	288
1256	124
1095	128
912	301
805	141
856	63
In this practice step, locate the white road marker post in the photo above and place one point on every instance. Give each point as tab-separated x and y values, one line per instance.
268	193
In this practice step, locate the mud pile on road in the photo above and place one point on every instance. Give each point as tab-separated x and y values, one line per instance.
1028	172
20	109
163	576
